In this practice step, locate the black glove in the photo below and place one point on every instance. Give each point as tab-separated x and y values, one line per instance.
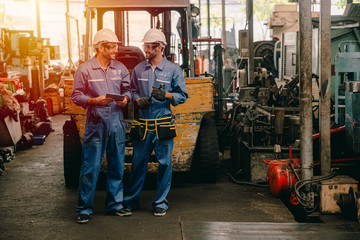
143	102
158	93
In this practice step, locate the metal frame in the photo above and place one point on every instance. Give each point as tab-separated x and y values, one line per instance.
154	7
344	62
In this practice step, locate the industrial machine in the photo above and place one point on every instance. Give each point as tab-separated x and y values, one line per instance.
196	143
24	67
264	115
264	121
26	58
336	192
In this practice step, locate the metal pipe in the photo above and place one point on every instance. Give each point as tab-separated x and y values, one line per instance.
38	22
279	120
38	26
78	36
87	35
200	18
223	21
218	58
325	86
68	34
306	145
189	36
167	30
250	15
208	30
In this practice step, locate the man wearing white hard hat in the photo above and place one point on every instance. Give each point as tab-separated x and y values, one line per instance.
156	83
105	126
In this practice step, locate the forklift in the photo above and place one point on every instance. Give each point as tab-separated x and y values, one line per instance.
196	146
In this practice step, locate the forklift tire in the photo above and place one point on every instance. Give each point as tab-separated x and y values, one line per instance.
205	164
72	154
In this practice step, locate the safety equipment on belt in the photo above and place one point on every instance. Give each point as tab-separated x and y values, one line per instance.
165	131
154	36
137	131
164	127
143	102
104	36
158	93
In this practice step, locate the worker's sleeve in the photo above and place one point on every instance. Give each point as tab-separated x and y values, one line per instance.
178	85
78	95
135	90
126	84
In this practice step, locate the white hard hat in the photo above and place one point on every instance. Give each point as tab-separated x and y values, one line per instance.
104	36
154	36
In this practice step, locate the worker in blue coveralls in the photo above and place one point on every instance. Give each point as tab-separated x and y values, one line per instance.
156	83
105	126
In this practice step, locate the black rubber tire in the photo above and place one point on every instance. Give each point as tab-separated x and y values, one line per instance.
72	154
205	165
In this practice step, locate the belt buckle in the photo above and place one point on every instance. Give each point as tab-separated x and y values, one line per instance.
151	125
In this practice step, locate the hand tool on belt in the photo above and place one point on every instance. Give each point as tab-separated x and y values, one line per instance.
163	126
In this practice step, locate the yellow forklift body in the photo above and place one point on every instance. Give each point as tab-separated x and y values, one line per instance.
187	121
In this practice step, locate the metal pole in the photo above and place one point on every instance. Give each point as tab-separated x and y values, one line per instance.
200	19
218	58
68	33
38	22
250	15
208	30
325	85
223	28
38	26
88	33
191	53
306	145
78	36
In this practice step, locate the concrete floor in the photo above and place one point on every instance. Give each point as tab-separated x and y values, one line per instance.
35	204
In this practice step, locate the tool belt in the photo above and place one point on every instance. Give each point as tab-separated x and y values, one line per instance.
164	127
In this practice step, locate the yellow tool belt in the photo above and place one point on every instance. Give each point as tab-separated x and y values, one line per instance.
163	127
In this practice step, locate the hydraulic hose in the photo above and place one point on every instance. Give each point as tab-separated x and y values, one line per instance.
245	182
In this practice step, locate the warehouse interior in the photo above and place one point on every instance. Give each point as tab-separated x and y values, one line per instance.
267	145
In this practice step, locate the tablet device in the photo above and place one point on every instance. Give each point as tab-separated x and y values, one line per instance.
117	97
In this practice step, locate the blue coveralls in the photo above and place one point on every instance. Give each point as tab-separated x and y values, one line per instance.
104	130
143	79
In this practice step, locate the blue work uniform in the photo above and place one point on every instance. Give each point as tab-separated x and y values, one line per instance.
143	79
104	130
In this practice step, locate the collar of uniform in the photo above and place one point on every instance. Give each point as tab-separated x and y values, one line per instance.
160	66
95	64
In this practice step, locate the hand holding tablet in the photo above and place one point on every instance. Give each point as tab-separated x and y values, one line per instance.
116	97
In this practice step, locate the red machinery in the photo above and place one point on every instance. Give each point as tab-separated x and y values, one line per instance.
13	84
282	175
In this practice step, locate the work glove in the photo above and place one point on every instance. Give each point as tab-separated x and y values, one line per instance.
143	102
158	93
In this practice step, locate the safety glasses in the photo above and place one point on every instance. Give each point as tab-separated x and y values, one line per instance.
150	46
110	46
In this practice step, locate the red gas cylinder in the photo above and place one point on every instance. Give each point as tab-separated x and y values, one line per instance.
281	177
